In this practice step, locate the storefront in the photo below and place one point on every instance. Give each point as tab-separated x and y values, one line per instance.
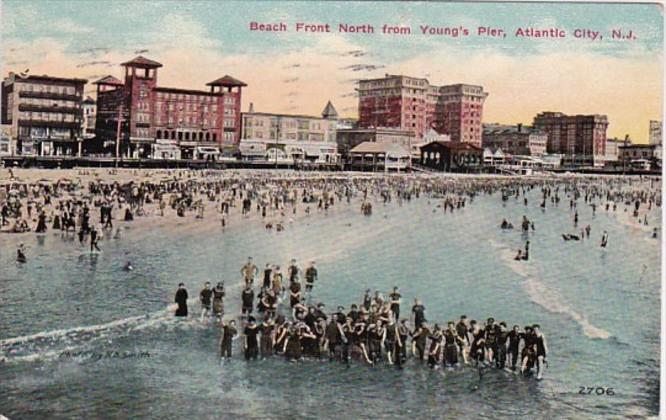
166	150
208	153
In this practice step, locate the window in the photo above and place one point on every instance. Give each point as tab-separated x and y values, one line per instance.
187	136
158	134
228	136
214	136
207	136
229	123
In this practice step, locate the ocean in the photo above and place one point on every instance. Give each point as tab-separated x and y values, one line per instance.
82	338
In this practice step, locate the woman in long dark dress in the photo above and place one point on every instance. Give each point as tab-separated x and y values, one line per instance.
41	224
181	300
56	221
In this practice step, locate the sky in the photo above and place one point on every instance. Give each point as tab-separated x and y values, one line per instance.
297	72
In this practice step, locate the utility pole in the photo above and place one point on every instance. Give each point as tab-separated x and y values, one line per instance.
409	153
120	121
277	138
624	154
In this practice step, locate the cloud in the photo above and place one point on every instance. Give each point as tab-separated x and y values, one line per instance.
53	57
628	88
355	53
93	51
363	67
629	91
180	30
92	63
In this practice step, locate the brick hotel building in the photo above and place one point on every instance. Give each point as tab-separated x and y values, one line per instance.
42	115
167	123
411	103
581	139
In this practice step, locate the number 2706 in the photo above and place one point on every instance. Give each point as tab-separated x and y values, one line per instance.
590	390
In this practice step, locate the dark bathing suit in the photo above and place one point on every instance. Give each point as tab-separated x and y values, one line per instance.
252	349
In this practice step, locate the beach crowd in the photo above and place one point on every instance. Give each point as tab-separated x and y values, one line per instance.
281	319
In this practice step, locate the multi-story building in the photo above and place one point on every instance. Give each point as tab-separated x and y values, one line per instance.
410	103
580	138
291	138
89	117
655	132
44	114
612	148
515	139
6	148
162	122
640	152
347	139
394	101
459	113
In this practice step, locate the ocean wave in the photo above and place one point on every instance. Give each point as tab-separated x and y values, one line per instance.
46	345
545	297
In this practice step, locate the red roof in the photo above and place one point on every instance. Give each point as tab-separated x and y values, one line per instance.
108	80
226	81
142	62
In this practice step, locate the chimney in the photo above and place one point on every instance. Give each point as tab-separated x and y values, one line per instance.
251	110
520	127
